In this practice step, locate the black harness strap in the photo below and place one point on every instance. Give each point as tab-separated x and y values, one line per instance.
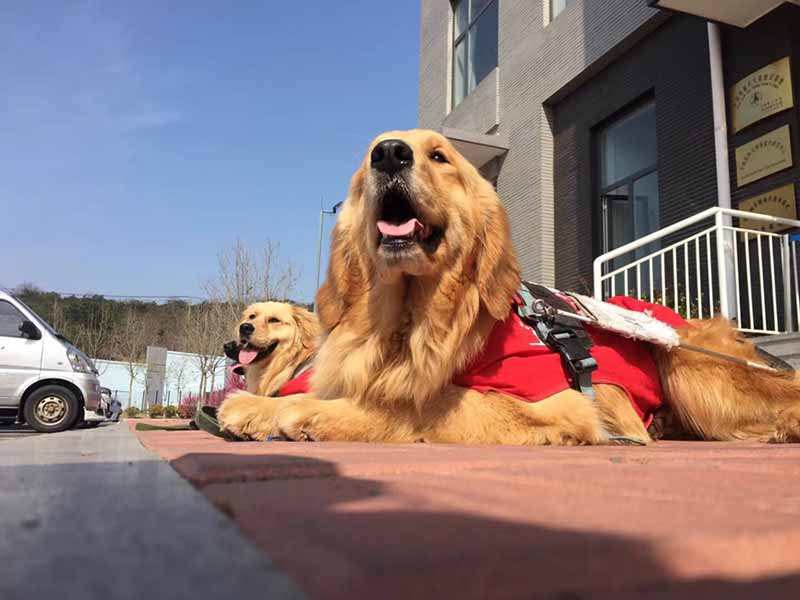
563	335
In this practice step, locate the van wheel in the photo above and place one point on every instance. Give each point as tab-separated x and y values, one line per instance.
51	408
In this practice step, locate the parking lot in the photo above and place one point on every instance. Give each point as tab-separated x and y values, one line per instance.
14	431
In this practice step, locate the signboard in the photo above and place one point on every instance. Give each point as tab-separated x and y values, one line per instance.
765	155
761	94
778	203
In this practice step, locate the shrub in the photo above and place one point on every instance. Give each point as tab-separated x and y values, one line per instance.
131	412
170	412
156	411
215	398
186	411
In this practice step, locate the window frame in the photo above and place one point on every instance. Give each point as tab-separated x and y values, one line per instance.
463	38
600	191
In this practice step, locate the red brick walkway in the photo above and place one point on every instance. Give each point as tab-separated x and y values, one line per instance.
355	520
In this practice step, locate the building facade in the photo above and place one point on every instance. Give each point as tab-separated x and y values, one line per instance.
595	118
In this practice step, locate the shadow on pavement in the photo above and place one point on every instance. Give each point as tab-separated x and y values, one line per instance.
341	537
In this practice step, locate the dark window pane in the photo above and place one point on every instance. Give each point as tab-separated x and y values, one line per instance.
619	218
483	45
628	145
477	7
10	320
645	205
461	10
460	72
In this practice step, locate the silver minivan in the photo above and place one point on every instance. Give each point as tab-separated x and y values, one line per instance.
44	379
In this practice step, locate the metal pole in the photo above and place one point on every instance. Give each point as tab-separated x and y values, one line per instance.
725	260
319	252
786	252
722	267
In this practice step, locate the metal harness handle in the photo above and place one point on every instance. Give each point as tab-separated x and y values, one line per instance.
562	335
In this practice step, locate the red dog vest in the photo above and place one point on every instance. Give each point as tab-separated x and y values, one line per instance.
516	362
299	385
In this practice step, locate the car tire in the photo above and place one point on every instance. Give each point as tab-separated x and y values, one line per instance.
52	408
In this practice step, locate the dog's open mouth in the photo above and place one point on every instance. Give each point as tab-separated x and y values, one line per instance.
399	225
249	354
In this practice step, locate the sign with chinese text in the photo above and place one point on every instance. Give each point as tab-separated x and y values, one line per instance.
761	94
778	203
765	155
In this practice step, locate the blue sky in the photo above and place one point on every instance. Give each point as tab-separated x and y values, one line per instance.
141	138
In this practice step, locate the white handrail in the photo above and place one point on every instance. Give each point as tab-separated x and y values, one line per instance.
709	212
767	271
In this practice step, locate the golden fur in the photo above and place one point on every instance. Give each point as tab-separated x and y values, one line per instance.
293	329
396	328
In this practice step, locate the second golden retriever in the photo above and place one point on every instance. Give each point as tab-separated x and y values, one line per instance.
422	270
274	341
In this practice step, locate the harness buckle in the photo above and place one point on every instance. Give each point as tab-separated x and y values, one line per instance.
573	347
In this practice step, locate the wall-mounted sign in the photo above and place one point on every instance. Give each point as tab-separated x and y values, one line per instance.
761	94
778	203
765	155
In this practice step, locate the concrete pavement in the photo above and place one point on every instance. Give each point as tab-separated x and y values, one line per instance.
14	431
90	514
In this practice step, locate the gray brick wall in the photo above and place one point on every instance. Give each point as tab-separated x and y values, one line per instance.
480	110
535	61
671	65
434	62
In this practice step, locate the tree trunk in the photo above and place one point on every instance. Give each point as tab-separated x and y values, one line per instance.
130	387
202	389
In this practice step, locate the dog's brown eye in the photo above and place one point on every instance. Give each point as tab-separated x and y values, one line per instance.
439	157
274	320
251	317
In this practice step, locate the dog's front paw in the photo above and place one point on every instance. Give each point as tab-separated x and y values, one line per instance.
299	421
787	428
247	416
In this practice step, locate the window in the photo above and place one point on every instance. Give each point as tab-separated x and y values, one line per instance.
474	44
10	320
556	6
629	182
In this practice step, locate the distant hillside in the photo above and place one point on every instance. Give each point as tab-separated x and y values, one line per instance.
94	322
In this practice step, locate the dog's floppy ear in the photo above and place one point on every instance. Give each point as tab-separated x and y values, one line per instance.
307	326
347	276
345	279
497	267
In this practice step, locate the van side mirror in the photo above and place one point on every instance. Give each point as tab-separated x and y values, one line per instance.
30	330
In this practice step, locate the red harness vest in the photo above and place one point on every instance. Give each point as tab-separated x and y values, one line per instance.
516	362
299	385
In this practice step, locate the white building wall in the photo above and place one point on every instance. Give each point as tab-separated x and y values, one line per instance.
182	377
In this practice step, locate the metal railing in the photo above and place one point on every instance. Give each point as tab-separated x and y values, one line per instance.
707	266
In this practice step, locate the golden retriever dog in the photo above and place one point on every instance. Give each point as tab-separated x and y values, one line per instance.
422	269
274	341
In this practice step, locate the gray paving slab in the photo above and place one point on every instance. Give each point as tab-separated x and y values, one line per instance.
14	431
91	514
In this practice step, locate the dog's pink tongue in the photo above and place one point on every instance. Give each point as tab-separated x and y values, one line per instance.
406	229
247	356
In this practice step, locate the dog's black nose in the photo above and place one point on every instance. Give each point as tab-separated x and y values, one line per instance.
246	329
231	350
392	156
